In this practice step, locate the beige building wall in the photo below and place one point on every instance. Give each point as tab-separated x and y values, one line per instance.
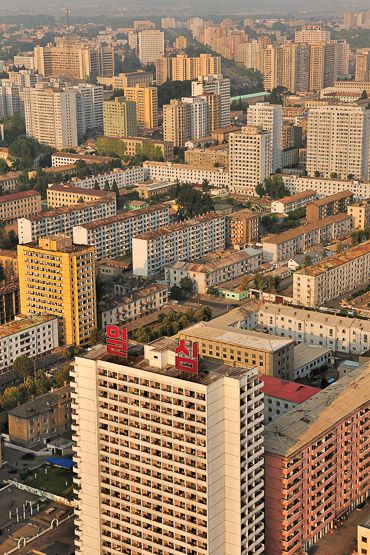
146	99
120	117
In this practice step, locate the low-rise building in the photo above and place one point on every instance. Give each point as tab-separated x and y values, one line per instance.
136	305
217	156
123	178
187	240
186	173
288	204
316	464
243	227
273	355
9	301
338	333
213	269
151	189
9	181
282	395
59	159
327	206
326	186
8	264
32	336
308	358
363	538
62	220
45	417
285	245
19	205
139	145
360	212
328	279
113	236
64	194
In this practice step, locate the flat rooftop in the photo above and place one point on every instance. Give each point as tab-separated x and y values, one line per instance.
69	188
210	370
68	209
249	339
304	424
301	230
173	228
332	198
336	260
297	196
213	261
19	196
304	354
124	216
41	404
26	323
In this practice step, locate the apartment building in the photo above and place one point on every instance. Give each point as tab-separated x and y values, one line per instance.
334	204
285	245
150	45
112	237
60	159
312	34
177	122
62	220
89	99
19	205
273	355
51	116
149	190
120	117
327	186
363	537
243	227
9	301
11	102
73	59
216	156
323	69
213	269
270	118
338	141
193	439
201	120
186	68
137	145
146	100
188	240
293	202
8	263
122	177
186	173
138	304
362	65
57	277
282	395
36	422
316	464
34	336
63	194
249	159
130	79
339	333
215	84
360	212
326	280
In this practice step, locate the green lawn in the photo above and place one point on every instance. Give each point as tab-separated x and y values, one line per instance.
52	479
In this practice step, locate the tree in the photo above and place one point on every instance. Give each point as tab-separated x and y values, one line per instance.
364	95
260	190
333	175
4	168
277	95
340	247
277	281
192	202
96	186
213	291
350	176
61	376
23	365
96	337
316	173
106	185
205	185
10	398
70	352
273	187
115	188
176	293
187	284
259	281
307	260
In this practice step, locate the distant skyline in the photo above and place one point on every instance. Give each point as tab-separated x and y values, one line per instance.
209	7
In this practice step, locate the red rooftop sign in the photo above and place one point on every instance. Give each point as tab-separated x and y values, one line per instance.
187	357
116	341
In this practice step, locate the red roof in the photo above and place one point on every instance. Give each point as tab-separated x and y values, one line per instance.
286	390
21	194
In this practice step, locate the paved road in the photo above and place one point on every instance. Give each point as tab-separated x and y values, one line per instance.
13	461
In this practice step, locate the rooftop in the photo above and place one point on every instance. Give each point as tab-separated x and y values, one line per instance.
142	293
124	216
18	196
301	230
297	196
42	403
67	188
8	253
332	198
336	260
67	209
10	175
26	323
232	336
286	390
212	261
304	354
307	422
209	372
173	228
188	167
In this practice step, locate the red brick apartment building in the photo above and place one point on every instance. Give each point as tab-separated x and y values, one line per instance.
317	464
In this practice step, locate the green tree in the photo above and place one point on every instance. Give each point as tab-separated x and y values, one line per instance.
187	284
61	376
96	337
277	95
316	173
192	202
176	293
4	168
10	398
307	260
23	366
274	187
96	186
213	291
115	188
260	190
106	185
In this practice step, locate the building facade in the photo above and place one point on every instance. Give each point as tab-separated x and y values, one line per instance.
324	207
120	117
19	205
